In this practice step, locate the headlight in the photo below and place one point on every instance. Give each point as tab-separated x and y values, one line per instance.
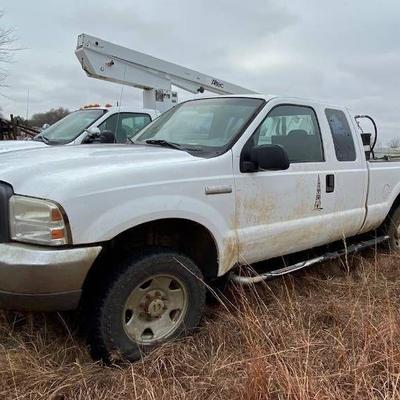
37	221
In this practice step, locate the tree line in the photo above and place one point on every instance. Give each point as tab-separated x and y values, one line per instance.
49	117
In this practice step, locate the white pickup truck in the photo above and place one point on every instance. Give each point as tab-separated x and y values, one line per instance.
88	125
130	232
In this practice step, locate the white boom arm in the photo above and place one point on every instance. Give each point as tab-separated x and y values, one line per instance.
104	60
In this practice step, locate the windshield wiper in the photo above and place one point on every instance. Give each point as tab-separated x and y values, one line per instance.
164	143
172	145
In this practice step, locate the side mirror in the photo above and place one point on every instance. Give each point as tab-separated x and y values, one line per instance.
105	137
95	136
266	157
92	134
93	131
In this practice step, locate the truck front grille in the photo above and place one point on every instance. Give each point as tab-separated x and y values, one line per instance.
6	192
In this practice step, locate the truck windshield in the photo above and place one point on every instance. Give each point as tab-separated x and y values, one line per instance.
207	125
70	127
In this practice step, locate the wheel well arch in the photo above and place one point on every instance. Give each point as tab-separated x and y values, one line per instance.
186	236
393	208
395	205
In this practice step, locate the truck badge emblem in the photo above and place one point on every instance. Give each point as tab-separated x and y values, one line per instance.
217	83
317	204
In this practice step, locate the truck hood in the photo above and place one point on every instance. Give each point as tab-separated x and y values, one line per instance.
43	171
14	145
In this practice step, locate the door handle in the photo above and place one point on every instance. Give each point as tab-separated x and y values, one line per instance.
330	183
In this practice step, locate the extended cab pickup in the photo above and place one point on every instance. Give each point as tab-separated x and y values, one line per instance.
88	125
130	232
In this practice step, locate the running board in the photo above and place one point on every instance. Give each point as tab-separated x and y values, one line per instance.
249	280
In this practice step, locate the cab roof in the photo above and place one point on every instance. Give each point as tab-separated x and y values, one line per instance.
268	97
123	109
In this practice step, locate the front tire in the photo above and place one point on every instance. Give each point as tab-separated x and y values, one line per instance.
152	298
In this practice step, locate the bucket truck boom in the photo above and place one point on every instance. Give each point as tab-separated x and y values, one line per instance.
104	60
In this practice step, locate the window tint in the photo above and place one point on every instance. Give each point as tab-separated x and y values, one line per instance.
124	125
296	129
341	134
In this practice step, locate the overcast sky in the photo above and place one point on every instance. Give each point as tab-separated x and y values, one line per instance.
347	52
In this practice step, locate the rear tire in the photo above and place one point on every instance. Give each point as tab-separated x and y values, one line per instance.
393	230
153	298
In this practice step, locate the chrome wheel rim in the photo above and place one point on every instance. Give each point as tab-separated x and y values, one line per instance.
155	309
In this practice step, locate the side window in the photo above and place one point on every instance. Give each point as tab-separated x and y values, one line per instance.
124	125
134	122
109	124
341	134
296	129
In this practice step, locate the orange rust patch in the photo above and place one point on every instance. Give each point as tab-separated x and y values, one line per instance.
230	255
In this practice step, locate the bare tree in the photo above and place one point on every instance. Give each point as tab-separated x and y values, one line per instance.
50	117
394	143
7	41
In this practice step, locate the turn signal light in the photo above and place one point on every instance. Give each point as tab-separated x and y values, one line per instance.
56	215
57	234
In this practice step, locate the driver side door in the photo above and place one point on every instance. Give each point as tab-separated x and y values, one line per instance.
281	212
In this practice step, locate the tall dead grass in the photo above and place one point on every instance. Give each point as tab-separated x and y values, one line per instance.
331	332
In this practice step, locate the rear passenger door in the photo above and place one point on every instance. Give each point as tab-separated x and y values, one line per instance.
349	168
281	212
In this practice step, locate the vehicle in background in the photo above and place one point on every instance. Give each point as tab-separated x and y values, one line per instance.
131	232
88	125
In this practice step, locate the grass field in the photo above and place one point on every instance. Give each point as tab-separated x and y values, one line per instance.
331	332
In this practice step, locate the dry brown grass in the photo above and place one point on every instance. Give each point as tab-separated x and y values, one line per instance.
332	332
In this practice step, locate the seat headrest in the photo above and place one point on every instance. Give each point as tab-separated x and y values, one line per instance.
298	132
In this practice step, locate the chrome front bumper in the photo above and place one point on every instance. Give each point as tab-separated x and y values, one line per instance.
41	278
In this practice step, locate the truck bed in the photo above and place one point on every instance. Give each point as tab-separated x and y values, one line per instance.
384	185
385	159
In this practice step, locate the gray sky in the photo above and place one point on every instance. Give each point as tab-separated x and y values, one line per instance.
347	52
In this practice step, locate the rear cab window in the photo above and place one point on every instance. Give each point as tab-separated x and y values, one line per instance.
341	135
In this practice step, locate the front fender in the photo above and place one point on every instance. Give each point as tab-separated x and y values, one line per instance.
126	215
